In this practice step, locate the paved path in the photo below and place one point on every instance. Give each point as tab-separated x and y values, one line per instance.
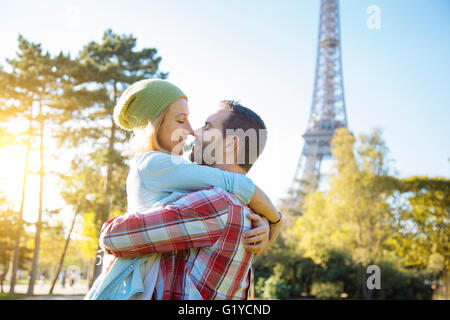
55	297
76	292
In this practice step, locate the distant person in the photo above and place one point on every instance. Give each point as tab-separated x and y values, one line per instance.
72	278
41	280
63	278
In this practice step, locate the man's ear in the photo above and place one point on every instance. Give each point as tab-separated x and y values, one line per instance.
231	143
231	147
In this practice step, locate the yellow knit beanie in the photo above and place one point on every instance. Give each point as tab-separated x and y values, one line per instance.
143	101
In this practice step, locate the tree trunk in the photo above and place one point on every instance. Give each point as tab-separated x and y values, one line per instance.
61	260
2	277
37	239
15	261
445	280
90	272
367	293
251	291
105	211
5	272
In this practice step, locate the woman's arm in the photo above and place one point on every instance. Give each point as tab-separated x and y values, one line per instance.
261	204
167	173
274	231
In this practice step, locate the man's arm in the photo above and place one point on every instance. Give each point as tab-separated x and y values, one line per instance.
199	222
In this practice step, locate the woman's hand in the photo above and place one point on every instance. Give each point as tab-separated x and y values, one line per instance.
274	231
256	240
263	234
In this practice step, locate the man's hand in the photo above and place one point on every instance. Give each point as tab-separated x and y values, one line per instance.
256	240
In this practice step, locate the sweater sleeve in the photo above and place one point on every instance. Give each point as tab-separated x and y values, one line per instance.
169	173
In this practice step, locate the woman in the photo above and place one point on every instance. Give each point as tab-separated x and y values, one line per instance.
155	110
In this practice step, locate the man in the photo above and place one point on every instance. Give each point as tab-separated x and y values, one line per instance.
201	234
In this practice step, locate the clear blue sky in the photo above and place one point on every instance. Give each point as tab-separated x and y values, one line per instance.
263	53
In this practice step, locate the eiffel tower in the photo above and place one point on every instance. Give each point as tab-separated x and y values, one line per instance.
328	104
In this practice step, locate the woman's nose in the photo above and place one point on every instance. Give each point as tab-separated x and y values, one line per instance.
189	128
198	132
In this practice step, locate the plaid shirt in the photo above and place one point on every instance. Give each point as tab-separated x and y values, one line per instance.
199	238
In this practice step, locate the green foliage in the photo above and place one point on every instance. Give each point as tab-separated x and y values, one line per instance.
8	230
90	235
340	268
354	214
366	217
259	286
282	259
275	288
422	234
52	244
399	283
327	290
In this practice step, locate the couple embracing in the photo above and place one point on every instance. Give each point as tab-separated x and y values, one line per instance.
192	227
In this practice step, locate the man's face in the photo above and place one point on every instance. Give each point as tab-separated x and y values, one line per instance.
208	146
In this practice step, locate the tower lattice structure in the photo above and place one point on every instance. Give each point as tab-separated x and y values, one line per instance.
328	104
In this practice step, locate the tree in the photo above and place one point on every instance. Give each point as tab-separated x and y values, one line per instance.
354	215
34	80
7	138
92	86
6	237
366	217
20	87
8	231
63	255
81	188
422	234
52	242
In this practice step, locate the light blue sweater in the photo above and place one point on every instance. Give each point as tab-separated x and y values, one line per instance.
154	179
157	177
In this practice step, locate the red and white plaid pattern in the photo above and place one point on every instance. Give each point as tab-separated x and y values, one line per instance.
199	237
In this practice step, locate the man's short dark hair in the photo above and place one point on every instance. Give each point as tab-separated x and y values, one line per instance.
244	118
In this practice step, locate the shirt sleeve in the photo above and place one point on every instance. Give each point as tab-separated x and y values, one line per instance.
198	221
168	173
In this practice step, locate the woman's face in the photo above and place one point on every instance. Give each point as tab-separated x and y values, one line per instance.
175	127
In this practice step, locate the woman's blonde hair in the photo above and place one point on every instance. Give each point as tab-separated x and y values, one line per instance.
145	138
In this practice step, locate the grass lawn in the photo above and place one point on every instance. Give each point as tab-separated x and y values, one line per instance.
7	296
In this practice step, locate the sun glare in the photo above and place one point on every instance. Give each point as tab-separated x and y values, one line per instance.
12	164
